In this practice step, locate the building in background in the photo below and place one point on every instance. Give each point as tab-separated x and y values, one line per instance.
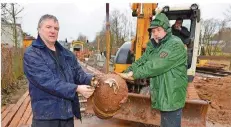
65	44
7	38
27	41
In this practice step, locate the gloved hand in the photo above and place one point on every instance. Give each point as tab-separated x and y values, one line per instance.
94	82
126	76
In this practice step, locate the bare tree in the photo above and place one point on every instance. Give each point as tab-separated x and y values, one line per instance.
128	24
102	39
209	27
82	38
227	14
122	28
228	18
115	26
125	23
219	36
9	16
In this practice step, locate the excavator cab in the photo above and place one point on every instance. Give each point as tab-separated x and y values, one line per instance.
138	107
191	20
128	52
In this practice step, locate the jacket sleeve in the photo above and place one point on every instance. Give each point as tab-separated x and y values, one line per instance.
139	62
184	31
81	77
167	59
40	75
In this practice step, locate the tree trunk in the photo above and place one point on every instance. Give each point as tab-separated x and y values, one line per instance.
14	26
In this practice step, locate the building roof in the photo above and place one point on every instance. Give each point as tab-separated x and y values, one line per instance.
29	38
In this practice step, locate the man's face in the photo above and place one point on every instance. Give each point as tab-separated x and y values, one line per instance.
178	23
49	30
158	33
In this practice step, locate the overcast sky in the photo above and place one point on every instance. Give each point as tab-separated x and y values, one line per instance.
87	18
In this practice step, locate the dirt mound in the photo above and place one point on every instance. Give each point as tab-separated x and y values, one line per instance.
106	99
218	91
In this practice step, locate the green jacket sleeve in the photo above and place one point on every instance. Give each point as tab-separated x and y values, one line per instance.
173	55
140	61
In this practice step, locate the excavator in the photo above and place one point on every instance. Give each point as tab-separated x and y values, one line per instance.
138	107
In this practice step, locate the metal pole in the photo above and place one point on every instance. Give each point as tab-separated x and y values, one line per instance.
107	37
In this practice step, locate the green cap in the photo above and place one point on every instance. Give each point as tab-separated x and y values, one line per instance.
161	20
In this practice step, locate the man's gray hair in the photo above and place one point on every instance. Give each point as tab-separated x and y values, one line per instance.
46	16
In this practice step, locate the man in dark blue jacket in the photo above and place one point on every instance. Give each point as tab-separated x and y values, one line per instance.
55	78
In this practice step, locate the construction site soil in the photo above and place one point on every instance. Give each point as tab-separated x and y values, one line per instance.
218	91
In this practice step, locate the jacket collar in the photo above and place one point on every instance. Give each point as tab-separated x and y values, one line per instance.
166	38
161	41
38	43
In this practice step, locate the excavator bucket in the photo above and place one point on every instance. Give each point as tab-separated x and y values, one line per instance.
138	109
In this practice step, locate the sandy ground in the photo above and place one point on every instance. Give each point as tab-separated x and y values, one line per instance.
218	91
96	122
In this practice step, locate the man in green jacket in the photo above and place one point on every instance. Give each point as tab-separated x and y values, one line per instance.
165	63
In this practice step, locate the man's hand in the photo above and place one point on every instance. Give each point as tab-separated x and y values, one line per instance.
130	74
94	82
178	28
126	76
85	90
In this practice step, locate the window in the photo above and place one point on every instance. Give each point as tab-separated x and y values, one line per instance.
186	23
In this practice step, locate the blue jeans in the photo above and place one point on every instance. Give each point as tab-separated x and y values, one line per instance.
171	118
53	123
